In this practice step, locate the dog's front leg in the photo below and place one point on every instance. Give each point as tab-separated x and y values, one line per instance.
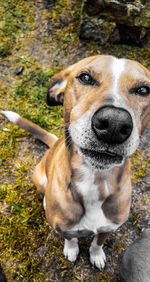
71	249
97	255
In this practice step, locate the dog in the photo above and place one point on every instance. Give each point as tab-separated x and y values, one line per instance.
85	175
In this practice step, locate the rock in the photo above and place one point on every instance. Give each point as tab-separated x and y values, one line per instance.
135	265
19	70
125	21
97	29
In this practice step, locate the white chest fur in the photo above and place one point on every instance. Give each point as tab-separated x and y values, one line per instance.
94	219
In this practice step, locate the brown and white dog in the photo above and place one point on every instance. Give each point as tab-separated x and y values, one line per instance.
85	175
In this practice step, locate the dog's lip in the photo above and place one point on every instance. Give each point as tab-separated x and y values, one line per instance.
101	154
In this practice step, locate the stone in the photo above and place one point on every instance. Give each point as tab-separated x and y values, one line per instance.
19	70
97	29
136	260
126	21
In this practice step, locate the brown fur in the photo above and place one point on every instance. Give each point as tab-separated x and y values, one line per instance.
58	185
37	131
58	173
61	162
63	202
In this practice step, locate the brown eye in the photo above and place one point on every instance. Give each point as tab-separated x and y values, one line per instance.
86	79
143	90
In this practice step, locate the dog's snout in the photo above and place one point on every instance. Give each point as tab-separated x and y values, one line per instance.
112	125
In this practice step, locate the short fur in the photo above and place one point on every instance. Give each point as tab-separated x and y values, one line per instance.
85	179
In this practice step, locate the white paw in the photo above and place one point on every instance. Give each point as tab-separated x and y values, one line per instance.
71	249
97	257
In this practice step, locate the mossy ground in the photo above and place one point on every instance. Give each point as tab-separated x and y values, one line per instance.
43	37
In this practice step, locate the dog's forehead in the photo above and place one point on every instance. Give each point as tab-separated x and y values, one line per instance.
136	70
106	64
97	64
100	63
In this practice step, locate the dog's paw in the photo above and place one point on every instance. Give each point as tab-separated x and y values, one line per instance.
97	257
71	249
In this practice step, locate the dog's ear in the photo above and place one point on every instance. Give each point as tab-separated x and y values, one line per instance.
56	88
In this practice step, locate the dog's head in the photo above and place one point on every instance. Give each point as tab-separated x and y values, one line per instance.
106	107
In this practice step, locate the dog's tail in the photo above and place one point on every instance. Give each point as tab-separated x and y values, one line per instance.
41	134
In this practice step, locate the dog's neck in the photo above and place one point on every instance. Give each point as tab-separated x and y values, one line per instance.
107	181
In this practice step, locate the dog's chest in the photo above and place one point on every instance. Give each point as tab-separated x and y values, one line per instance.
94	219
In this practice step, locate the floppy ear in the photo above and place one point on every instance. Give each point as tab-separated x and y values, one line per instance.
56	88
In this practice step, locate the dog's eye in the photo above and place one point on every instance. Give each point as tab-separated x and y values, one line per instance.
143	90
86	79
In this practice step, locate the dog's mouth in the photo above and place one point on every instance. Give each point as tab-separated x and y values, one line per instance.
102	157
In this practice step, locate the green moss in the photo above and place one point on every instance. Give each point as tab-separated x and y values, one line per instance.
119	247
8	143
58	8
5	49
35	93
139	165
16	18
23	228
135	218
68	34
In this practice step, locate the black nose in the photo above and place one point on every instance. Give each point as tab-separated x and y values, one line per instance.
112	125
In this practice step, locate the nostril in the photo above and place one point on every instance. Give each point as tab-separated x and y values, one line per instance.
102	124
125	130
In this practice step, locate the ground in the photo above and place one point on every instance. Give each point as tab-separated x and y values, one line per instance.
39	38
